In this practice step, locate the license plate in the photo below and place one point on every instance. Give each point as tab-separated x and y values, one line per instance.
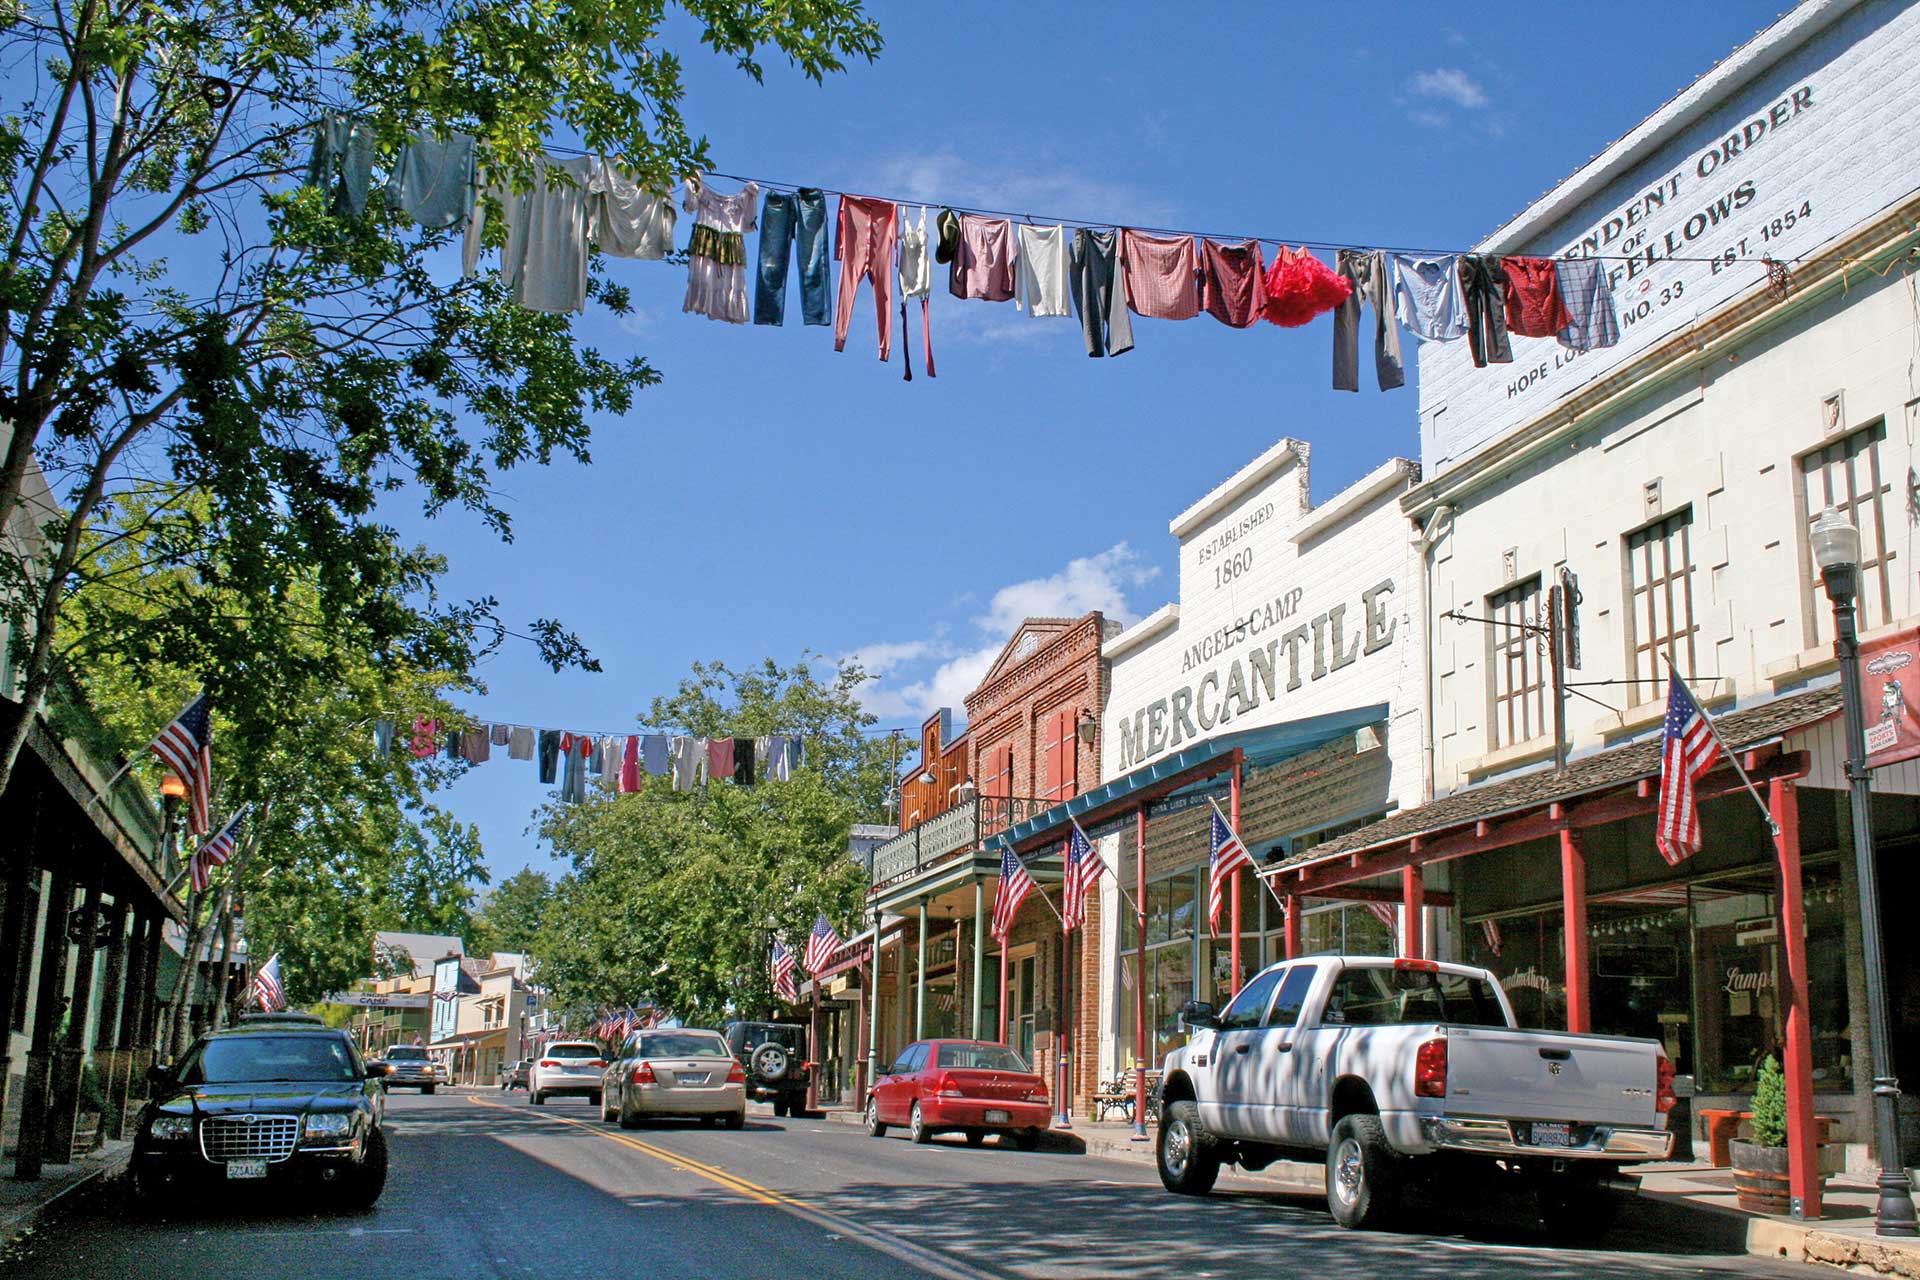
998	1117
1552	1135
691	1078
246	1168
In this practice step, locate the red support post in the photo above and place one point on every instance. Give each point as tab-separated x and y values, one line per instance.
1573	898
1413	898
1803	1154
1002	1001
1233	803
1293	926
1140	972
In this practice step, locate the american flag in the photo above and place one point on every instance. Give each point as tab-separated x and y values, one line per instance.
267	991
1688	749
1385	914
186	747
1013	887
1228	856
215	853
821	944
1490	929
1083	876
782	968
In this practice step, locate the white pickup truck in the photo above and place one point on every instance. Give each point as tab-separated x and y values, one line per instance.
1393	1067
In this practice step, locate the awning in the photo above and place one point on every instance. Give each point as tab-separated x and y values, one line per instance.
1259	748
854	950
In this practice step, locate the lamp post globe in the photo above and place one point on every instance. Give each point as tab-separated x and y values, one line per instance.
1835	545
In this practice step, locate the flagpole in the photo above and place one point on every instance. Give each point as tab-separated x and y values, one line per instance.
1104	868
1256	873
1766	813
1043	894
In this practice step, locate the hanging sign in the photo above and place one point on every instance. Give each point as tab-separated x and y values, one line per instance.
1890	690
380	999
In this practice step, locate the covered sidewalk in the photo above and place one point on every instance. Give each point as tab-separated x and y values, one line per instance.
1594	796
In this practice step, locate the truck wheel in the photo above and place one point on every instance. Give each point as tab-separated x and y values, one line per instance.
1574	1207
1362	1189
1189	1164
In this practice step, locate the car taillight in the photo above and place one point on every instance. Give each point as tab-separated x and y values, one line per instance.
1430	1070
736	1074
947	1089
1037	1092
1664	1097
598	1064
643	1074
548	1062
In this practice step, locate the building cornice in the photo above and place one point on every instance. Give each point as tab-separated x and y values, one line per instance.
1283	453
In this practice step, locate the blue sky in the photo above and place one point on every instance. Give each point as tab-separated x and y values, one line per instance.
772	496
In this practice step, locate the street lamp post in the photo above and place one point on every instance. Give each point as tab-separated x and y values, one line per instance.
1836	550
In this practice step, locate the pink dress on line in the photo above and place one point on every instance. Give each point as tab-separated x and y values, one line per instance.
717	286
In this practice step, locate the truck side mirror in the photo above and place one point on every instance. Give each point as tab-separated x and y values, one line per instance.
159	1077
1199	1013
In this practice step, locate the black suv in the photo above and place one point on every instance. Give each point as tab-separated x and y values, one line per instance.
277	1098
775	1057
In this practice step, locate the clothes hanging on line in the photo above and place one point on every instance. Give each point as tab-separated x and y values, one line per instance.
717	255
1099	294
573	778
629	220
719	758
476	745
549	755
1483	284
1233	286
1428	298
502	734
1044	286
1301	288
630	764
341	163
1162	275
915	280
1588	294
1368	280
433	179
864	245
688	756
426	739
743	760
544	260
382	737
983	261
654	754
790	224
1534	305
520	743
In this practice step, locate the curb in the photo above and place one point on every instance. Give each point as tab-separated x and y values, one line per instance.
18	1222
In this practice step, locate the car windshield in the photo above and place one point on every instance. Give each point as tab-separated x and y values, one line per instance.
683	1045
260	1059
406	1055
1377	996
573	1051
980	1057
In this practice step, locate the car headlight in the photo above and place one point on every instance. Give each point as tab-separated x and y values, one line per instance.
336	1124
171	1128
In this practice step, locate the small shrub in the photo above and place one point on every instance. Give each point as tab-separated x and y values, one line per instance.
1770	1106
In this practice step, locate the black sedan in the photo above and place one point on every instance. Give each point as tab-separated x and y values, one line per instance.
266	1102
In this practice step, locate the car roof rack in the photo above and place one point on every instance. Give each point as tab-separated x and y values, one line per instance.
284	1019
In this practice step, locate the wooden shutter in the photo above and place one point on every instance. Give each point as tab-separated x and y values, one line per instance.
1057	747
997	772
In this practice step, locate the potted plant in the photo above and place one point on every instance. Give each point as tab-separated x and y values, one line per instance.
91	1104
1760	1160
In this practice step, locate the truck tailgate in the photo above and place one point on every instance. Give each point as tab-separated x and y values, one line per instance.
1543	1075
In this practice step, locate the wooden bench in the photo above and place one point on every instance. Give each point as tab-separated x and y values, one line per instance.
1723	1126
1118	1094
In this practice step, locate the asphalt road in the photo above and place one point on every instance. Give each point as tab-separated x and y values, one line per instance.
484	1185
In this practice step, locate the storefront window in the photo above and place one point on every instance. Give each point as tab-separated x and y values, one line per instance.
1528	956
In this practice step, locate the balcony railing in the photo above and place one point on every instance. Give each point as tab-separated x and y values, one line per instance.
946	834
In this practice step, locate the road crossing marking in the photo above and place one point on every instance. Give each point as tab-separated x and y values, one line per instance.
895	1247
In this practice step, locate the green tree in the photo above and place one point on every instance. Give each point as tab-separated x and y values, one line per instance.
674	896
175	304
510	918
1770	1106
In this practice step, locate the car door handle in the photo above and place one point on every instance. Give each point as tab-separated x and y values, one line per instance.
1556	1055
1285	1046
1241	1048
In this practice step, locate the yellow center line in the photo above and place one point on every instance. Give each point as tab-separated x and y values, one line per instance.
918	1256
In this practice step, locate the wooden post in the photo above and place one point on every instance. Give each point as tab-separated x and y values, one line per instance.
1803	1153
920	976
1003	991
1573	898
979	952
1293	926
1413	895
30	1153
813	1050
1140	972
869	972
1233	950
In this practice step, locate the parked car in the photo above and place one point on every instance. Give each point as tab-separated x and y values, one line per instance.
514	1074
567	1068
676	1072
411	1068
272	1100
973	1087
1380	1065
775	1057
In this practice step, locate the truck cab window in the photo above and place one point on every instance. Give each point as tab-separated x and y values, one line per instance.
1247	1007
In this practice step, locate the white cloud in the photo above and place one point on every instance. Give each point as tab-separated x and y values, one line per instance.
1449	84
1429	119
899	692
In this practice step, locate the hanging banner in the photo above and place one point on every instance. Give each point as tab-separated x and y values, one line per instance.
380	999
1890	692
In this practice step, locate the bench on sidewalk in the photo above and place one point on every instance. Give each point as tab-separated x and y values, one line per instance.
1118	1094
1723	1126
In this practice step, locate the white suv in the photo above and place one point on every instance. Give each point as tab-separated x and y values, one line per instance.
567	1067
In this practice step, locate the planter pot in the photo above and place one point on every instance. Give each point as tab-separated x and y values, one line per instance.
1760	1178
86	1128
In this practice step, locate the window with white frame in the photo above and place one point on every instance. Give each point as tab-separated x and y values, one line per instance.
1516	665
1660	613
1848	476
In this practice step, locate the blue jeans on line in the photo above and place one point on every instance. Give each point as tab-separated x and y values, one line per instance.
784	219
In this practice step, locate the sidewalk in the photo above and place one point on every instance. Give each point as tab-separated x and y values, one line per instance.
1842	1238
22	1203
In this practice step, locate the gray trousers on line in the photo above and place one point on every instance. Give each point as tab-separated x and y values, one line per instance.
1366	271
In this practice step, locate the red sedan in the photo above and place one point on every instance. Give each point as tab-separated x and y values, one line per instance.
961	1086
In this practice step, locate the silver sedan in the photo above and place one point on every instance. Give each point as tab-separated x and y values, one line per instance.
677	1072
